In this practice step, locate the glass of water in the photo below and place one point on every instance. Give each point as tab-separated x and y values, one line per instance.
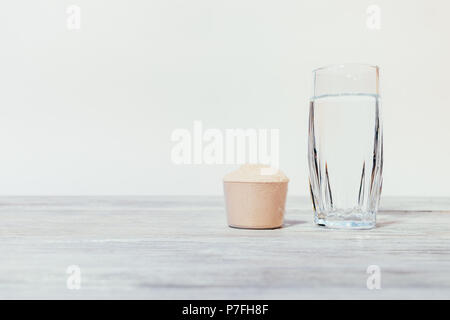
345	146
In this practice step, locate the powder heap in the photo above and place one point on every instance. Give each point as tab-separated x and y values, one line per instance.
256	173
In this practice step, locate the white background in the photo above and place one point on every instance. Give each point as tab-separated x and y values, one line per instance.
92	111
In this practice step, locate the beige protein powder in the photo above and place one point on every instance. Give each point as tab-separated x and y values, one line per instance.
255	197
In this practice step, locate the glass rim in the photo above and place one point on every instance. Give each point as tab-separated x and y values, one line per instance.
343	65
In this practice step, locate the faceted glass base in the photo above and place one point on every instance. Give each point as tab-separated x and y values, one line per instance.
341	219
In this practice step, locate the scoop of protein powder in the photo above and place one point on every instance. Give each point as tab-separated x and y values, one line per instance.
255	197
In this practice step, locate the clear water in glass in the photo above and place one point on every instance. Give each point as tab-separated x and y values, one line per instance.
345	159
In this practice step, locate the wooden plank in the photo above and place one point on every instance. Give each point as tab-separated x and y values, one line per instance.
181	248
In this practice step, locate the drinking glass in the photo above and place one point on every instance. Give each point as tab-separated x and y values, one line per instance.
345	146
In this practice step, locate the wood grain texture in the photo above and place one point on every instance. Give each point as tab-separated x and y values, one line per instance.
181	248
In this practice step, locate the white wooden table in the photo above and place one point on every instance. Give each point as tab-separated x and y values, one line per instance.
181	248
